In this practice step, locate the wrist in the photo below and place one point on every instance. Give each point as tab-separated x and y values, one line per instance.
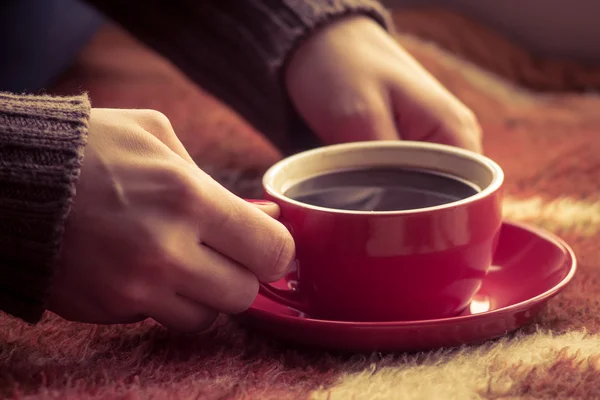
337	32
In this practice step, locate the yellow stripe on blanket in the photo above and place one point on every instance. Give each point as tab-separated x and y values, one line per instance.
565	214
505	369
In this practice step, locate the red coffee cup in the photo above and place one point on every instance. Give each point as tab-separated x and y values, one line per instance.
416	264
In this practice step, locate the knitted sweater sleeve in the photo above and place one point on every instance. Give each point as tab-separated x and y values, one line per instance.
42	140
236	49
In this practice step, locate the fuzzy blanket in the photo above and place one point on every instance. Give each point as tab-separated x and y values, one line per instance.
549	146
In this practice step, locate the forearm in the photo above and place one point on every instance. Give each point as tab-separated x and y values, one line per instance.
42	140
234	49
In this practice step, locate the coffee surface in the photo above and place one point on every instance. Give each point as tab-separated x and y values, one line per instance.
381	189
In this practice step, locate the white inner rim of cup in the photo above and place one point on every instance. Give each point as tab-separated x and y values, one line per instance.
456	162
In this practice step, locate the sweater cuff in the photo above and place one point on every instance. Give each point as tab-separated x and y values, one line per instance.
310	16
42	140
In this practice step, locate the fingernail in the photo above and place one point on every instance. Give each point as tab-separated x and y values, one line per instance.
260	202
268	207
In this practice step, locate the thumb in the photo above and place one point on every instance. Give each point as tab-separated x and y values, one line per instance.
266	206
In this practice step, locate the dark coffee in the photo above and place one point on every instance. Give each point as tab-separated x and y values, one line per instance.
381	189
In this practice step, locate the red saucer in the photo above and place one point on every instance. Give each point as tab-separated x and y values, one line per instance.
530	267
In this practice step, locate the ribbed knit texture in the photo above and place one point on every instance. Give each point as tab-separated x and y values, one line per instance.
236	49
42	140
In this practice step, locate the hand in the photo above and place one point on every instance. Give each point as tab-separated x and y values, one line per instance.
151	235
351	81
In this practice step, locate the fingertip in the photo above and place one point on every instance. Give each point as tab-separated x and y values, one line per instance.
281	273
470	145
260	201
473	143
268	207
190	328
278	255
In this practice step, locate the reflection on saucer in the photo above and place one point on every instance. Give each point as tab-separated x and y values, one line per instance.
479	305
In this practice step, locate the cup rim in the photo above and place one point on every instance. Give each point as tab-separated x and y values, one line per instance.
495	169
